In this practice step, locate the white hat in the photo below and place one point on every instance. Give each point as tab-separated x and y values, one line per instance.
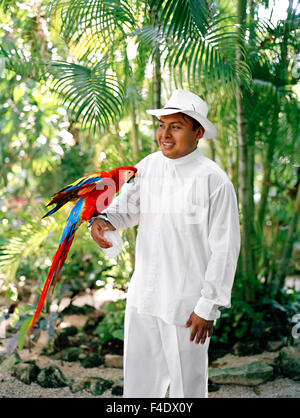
190	104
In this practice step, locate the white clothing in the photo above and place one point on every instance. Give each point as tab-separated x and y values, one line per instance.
156	354
188	239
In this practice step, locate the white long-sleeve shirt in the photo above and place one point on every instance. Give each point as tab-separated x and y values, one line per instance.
188	239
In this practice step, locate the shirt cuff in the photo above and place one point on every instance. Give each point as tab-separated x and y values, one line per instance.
207	309
102	216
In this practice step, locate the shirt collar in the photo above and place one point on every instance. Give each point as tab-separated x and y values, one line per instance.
182	160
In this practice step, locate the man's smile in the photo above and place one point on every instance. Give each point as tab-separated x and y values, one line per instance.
168	144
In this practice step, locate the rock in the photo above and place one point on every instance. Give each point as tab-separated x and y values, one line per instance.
113	360
51	377
72	354
117	388
92	360
61	341
289	362
95	385
93	321
69	331
43	339
113	345
78	310
246	348
274	345
10	362
77	320
76	340
249	374
76	386
296	341
26	372
212	387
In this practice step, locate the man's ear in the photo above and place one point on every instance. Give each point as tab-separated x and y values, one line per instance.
200	133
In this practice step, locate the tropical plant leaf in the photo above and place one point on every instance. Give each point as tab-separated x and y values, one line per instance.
14	59
176	16
95	16
196	42
119	334
23	330
210	60
93	94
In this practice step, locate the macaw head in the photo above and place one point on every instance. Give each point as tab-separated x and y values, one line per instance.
122	175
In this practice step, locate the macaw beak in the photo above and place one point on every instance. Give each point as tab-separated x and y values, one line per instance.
132	178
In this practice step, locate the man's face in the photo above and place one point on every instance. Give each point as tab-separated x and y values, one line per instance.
176	137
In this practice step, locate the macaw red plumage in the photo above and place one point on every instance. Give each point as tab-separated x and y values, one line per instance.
93	194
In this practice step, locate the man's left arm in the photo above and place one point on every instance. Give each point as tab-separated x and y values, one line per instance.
224	244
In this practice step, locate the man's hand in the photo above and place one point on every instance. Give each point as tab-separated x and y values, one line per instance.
201	328
98	228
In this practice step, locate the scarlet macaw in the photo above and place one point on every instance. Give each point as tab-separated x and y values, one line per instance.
93	193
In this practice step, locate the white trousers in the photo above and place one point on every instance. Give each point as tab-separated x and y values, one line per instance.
157	354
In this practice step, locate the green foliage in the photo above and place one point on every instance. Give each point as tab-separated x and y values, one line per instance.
62	72
109	17
198	44
112	325
262	321
23	330
18	247
92	94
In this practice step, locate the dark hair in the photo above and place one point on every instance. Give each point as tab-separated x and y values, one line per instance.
195	123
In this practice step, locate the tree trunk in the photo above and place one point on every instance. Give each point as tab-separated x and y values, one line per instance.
278	283
134	131
267	166
244	192
117	141
156	79
251	162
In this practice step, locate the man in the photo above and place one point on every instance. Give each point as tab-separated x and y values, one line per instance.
187	248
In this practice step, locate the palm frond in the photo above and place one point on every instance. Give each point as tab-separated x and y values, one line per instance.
196	42
104	17
205	60
14	59
176	16
95	95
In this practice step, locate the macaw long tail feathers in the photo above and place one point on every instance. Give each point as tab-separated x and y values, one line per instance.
57	207
68	242
56	266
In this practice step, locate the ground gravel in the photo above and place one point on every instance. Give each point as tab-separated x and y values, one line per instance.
10	387
278	388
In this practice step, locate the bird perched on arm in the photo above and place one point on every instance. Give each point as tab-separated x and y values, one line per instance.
92	193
